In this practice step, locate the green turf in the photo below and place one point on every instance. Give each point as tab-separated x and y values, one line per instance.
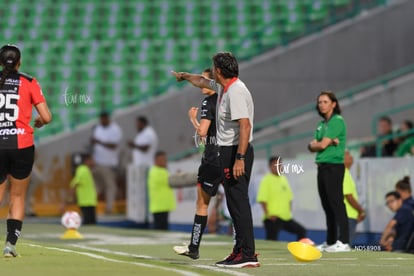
113	251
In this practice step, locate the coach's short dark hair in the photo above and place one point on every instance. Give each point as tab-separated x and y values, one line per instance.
227	64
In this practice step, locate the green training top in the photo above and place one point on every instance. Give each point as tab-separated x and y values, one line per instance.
335	127
85	187
406	147
275	191
161	196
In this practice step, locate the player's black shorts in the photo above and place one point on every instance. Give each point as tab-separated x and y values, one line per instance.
16	162
209	177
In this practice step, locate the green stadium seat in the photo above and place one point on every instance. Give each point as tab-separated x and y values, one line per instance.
247	49
339	3
272	36
264	14
168	51
317	10
293	23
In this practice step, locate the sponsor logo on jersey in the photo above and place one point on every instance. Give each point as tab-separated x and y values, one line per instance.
6	124
12	131
12	82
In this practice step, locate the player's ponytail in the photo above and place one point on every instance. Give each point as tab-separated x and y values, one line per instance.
9	58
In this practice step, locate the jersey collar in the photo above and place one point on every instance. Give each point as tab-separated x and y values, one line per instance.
229	83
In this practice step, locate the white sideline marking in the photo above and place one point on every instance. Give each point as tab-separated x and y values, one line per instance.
120	253
338	259
397	259
182	272
293	264
383	265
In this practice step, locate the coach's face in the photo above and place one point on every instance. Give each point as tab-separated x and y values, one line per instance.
216	73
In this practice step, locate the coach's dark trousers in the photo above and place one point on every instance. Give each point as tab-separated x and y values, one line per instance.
238	199
330	188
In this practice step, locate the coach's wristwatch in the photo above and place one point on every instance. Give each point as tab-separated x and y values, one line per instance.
240	156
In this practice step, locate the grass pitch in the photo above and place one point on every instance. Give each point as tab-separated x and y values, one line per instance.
116	251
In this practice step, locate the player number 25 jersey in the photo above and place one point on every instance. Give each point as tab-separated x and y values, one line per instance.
17	96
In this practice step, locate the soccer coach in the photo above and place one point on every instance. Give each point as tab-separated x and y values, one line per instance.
235	111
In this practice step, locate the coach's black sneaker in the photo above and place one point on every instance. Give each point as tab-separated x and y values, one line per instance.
184	251
241	261
229	258
9	251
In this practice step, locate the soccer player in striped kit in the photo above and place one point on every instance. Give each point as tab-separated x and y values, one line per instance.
18	94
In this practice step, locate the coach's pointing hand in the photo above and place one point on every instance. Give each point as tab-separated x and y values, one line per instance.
179	76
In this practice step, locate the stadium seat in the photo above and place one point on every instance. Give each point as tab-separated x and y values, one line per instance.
339	3
317	10
272	35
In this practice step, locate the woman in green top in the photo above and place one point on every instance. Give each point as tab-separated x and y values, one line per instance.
329	145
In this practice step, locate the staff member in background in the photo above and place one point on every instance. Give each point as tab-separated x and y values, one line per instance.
18	93
275	196
354	210
329	145
84	187
399	229
105	140
145	144
235	111
161	196
144	147
403	187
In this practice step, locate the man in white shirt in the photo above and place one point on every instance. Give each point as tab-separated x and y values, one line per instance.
144	147
145	144
105	140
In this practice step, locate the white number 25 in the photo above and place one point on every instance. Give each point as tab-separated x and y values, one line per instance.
8	105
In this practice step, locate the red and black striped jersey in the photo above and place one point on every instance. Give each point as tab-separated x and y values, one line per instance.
17	97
